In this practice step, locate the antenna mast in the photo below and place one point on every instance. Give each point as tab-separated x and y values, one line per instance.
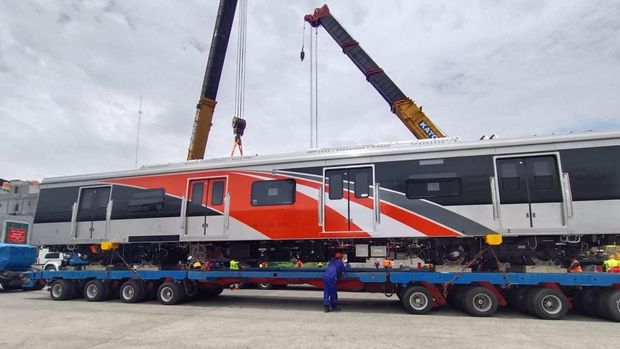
138	136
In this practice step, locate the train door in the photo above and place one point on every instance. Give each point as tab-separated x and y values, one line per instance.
530	193
205	207
92	212
347	204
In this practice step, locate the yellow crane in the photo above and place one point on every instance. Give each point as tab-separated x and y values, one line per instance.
404	107
211	81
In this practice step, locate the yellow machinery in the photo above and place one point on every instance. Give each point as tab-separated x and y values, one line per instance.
407	111
211	81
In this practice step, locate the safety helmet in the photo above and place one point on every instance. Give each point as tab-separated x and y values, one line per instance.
338	255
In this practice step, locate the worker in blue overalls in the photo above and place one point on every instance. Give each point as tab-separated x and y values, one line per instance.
335	268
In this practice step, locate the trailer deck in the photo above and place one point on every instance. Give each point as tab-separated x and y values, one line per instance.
546	295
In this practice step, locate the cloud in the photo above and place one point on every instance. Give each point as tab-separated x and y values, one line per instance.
71	76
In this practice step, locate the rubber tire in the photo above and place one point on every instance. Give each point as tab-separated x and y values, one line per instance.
51	267
264	285
417	291
517	299
469	297
170	293
101	289
609	304
535	303
61	290
586	301
127	295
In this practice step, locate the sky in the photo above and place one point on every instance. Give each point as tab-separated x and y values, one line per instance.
72	74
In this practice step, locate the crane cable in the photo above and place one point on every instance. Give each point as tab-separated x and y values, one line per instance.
238	120
316	87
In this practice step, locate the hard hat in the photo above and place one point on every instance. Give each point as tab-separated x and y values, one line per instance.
338	255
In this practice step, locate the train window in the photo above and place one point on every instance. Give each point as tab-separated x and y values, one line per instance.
335	183
197	190
273	192
217	193
362	178
147	200
420	188
543	173
510	176
93	204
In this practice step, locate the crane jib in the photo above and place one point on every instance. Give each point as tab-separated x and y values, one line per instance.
427	129
407	111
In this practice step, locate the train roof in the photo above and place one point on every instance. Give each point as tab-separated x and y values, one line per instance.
349	152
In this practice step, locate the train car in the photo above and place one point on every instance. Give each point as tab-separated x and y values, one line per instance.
551	198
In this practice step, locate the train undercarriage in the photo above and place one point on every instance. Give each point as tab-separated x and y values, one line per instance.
554	250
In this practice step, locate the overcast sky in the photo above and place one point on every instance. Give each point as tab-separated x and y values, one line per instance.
72	73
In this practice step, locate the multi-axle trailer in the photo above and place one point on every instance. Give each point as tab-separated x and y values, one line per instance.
545	295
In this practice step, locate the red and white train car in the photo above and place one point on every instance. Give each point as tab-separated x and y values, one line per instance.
550	197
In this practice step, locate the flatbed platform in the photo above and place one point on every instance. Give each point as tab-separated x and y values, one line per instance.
546	295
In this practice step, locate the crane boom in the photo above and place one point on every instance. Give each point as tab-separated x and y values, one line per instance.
407	111
211	81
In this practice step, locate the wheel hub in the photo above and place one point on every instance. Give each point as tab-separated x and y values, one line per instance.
418	301
57	290
128	292
482	302
551	304
91	291
166	294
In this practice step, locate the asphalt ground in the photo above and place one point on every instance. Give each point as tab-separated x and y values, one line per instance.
282	319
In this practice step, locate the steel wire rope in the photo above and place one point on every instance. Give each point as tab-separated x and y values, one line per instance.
316	86
311	91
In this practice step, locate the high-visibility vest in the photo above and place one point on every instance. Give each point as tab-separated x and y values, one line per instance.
575	267
612	265
234	265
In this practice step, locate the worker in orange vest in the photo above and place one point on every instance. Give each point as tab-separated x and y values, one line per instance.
574	266
388	263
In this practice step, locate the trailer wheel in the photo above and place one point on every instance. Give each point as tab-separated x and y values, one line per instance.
132	291
479	301
96	291
547	303
170	293
517	299
61	290
609	304
264	285
586	301
417	300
